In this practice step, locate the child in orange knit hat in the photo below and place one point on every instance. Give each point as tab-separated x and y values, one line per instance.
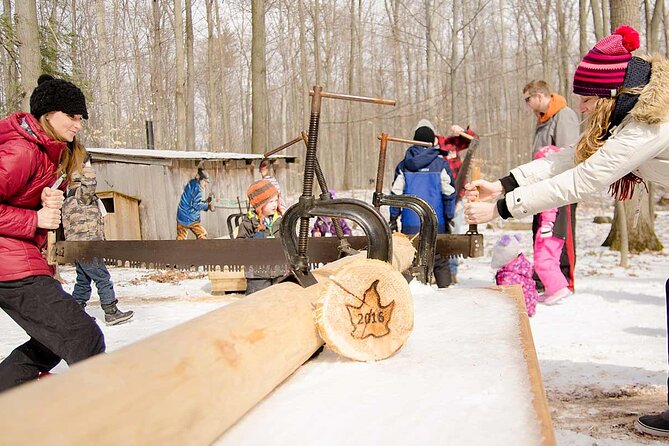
263	221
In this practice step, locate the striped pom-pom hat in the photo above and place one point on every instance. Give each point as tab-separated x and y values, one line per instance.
602	71
260	193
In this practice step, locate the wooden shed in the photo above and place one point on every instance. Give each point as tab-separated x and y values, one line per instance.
156	178
122	219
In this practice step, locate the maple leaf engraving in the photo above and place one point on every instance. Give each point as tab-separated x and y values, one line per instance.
370	318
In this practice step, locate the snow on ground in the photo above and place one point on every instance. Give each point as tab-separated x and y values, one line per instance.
603	351
431	390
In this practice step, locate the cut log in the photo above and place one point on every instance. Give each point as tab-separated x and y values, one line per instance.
186	385
366	311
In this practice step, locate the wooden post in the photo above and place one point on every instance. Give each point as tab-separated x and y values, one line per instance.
186	385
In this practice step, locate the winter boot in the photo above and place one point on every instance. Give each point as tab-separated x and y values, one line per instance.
556	297
656	425
114	316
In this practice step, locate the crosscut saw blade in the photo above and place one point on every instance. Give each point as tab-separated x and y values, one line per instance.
465	169
264	255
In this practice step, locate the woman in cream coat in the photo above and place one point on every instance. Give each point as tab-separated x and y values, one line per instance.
625	145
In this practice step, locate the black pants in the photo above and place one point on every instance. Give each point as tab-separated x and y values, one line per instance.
442	271
57	326
254	285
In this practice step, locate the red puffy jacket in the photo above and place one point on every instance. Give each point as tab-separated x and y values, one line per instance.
28	164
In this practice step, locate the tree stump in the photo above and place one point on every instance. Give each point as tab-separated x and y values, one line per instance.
366	311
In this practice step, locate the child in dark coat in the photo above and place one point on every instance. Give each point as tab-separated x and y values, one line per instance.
263	221
514	269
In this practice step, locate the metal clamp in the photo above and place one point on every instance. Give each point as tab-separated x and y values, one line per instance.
423	263
377	232
379	237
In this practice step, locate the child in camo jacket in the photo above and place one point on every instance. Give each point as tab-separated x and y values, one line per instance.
83	221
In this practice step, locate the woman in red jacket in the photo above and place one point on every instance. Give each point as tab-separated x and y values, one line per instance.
36	149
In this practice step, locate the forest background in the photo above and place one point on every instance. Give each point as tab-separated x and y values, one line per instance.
188	66
235	75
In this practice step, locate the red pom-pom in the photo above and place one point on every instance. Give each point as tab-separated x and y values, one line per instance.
630	37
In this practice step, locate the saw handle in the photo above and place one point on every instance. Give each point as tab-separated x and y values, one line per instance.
476	175
51	235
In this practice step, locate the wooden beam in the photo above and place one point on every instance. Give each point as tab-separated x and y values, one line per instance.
539	400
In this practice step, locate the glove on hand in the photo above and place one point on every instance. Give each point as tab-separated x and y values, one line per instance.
209	198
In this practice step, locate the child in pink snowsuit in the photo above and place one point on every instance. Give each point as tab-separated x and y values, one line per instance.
514	269
547	250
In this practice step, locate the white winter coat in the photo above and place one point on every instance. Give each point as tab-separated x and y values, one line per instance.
640	144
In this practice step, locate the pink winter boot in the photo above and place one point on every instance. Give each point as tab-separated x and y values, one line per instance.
552	299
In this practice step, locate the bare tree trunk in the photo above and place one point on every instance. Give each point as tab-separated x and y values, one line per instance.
563	49
9	60
190	80
452	73
606	17
115	78
625	12
429	56
582	27
27	33
180	92
317	38
103	61
653	25
260	133
393	12
304	76
640	238
226	137
505	82
213	136
624	241
666	29
597	21
157	82
348	151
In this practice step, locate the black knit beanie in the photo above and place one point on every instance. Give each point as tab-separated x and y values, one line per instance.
424	134
57	95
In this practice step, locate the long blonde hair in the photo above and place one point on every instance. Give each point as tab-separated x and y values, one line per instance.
597	125
595	136
72	158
